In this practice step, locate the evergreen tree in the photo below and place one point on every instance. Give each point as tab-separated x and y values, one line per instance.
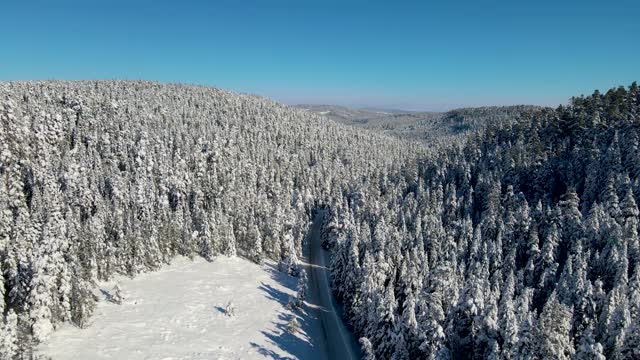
9	336
631	346
589	348
554	327
367	349
255	241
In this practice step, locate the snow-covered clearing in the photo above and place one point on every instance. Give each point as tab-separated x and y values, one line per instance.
178	313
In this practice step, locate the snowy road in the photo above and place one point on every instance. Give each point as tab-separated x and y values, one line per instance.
340	341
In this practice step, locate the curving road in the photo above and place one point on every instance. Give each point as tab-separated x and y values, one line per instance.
339	340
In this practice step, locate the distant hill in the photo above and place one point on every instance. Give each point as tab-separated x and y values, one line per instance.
349	116
421	126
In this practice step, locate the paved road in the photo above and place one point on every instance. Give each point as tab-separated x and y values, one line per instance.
339	340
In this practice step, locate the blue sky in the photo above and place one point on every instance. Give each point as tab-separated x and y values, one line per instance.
429	55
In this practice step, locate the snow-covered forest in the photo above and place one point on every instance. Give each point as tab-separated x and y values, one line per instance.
520	242
106	177
515	237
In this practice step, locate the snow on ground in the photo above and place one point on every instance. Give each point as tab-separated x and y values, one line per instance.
178	313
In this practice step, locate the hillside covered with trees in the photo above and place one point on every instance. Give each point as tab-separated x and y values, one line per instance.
118	177
513	234
520	242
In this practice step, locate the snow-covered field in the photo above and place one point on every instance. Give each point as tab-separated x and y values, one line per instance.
178	313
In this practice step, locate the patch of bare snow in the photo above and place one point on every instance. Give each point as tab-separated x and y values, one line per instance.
178	312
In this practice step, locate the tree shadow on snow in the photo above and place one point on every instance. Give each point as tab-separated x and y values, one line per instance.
288	281
274	294
107	295
294	346
221	310
269	353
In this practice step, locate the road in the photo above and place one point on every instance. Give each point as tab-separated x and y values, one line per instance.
340	341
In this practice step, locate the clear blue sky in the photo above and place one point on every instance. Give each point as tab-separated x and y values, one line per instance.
402	54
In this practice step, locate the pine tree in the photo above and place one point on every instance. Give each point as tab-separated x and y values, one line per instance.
614	262
634	295
547	265
367	349
293	326
631	346
410	323
400	351
230	238
9	336
508	326
302	288
630	215
610	199
40	301
525	348
588	348
255	243
614	319
116	294
572	228
554	327
83	300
